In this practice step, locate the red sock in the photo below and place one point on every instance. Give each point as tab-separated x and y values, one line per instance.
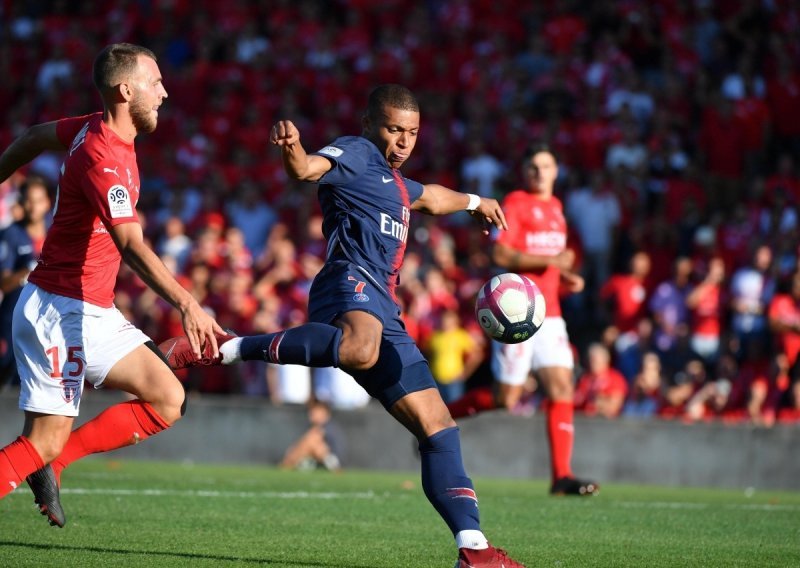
18	460
476	400
121	425
560	434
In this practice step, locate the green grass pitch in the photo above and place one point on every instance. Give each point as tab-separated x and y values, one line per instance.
131	514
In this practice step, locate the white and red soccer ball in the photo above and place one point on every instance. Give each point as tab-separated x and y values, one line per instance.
510	308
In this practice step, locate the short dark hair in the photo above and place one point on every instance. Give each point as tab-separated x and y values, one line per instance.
390	95
31	181
115	62
536	148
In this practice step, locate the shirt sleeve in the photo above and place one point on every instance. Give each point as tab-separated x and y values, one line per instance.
110	197
414	189
348	158
67	128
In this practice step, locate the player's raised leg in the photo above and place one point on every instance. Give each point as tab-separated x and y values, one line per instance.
312	344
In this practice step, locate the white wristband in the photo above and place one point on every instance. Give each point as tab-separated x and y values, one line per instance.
474	201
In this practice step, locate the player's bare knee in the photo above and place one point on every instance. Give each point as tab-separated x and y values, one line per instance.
171	406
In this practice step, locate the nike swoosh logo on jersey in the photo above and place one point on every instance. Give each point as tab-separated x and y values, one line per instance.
385	180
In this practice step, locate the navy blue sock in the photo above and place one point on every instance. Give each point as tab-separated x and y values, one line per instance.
445	482
311	344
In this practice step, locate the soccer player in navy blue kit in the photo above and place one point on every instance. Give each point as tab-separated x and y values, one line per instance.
20	246
353	312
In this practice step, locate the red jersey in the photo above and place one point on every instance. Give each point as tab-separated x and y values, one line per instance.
707	315
628	294
537	226
785	309
606	383
99	188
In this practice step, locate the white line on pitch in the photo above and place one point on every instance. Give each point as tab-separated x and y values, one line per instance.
680	505
222	494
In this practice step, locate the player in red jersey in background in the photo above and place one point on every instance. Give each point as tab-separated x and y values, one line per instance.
784	320
535	245
66	328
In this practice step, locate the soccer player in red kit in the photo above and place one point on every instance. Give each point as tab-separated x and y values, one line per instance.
535	245
66	328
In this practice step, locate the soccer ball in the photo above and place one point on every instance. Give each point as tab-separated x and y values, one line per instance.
510	308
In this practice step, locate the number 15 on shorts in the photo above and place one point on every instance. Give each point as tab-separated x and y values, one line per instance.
73	368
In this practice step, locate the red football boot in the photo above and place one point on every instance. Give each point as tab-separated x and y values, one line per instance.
179	354
487	558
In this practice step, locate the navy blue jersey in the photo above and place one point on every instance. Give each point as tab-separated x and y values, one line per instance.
366	207
16	253
16	248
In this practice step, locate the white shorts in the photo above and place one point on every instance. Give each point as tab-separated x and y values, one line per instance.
549	347
59	342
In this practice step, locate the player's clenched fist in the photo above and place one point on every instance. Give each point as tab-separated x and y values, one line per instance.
284	133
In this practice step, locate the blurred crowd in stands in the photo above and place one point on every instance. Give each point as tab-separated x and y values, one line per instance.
676	124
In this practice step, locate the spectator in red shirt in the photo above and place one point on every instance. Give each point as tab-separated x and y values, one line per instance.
564	29
602	389
679	190
784	321
592	136
722	144
626	294
709	402
705	302
752	111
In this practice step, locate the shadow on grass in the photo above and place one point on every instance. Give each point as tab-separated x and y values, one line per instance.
182	555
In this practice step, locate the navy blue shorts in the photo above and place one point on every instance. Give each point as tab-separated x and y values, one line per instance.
401	369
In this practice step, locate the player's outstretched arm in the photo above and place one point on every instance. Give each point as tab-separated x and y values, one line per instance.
297	163
198	325
438	200
30	144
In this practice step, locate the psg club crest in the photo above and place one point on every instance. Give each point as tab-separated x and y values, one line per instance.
359	296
